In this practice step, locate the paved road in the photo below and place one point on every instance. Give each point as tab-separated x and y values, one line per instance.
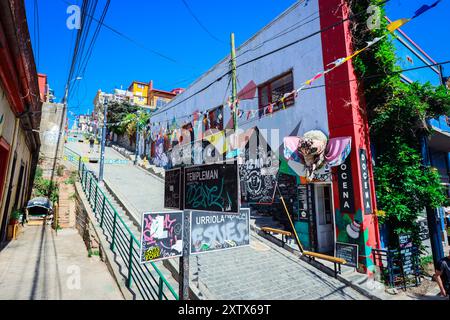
41	265
141	191
261	271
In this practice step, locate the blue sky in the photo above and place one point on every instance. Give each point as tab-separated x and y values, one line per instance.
167	27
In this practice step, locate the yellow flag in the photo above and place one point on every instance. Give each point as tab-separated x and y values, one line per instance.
397	24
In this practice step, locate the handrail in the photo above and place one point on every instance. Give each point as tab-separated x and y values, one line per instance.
85	175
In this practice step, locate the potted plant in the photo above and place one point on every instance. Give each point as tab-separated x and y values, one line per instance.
15	217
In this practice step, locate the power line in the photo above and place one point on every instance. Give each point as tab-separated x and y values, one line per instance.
37	36
83	65
350	17
200	23
142	46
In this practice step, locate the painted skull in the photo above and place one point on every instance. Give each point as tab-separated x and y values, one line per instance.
312	147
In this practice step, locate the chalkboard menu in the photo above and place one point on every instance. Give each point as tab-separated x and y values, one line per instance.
217	231
172	189
212	188
348	252
406	253
161	236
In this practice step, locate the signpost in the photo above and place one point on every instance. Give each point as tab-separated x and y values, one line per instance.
212	192
217	231
348	252
161	236
212	188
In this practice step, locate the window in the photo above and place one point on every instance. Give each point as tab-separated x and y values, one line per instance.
273	90
215	118
140	86
160	103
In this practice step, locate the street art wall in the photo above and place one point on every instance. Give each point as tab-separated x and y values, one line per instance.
258	171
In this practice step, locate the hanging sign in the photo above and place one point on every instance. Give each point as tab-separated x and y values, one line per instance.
348	252
365	182
161	236
345	185
212	188
217	231
172	189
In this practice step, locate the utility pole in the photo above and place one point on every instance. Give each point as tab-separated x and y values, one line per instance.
234	84
102	155
137	138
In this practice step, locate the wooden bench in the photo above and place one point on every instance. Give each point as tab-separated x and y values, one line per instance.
337	261
284	234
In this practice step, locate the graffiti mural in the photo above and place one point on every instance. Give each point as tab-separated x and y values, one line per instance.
354	229
314	151
212	188
258	173
215	231
161	236
160	159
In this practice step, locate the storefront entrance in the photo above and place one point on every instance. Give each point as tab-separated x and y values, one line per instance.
324	218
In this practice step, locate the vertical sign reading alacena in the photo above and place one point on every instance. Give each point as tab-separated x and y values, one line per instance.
346	193
365	183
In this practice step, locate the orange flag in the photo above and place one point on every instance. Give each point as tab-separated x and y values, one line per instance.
397	24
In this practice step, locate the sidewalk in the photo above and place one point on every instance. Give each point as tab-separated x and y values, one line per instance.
41	265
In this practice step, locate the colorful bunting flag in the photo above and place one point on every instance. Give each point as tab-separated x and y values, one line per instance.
425	8
397	24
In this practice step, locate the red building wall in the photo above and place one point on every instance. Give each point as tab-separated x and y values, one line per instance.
346	117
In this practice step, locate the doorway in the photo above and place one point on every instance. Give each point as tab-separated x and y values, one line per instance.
324	218
7	202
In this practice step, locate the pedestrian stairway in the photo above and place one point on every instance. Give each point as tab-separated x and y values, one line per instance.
145	281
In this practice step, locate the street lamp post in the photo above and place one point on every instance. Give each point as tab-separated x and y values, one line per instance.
102	155
137	139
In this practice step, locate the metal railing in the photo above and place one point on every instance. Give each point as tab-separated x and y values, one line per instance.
147	278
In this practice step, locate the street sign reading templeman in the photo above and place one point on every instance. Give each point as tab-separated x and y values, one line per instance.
212	188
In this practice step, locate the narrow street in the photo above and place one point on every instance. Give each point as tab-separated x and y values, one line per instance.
43	265
229	274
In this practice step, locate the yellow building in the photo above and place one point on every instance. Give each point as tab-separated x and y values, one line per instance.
140	92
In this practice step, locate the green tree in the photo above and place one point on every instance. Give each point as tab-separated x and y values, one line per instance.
397	114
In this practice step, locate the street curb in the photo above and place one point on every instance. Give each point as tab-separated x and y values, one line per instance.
103	243
315	264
